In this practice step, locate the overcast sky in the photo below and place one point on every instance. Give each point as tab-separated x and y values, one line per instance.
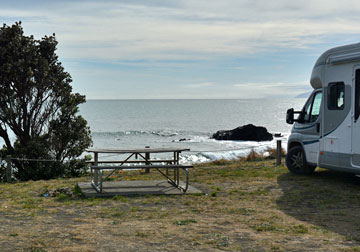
137	49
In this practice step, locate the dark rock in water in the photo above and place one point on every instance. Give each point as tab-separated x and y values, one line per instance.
246	133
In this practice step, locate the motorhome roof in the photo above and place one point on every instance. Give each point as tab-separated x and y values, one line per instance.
339	55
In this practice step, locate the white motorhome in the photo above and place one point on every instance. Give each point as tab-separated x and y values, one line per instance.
327	131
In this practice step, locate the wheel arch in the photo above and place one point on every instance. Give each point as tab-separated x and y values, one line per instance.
293	144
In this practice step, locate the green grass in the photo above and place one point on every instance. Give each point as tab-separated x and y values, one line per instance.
300	229
264	227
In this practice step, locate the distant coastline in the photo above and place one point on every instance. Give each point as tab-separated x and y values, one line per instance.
304	95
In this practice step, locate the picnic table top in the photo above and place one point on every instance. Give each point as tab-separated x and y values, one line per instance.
143	150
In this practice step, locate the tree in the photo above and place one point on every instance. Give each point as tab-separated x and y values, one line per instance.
38	106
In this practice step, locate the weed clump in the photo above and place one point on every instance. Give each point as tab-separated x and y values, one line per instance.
184	222
265	227
254	156
77	191
272	153
220	162
62	197
213	194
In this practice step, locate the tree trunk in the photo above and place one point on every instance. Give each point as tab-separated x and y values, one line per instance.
5	136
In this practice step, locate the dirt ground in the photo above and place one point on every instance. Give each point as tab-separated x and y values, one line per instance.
246	206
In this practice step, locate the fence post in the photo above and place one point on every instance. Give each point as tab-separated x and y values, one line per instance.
278	152
147	158
8	169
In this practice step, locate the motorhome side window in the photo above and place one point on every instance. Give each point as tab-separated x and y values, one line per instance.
312	108
336	94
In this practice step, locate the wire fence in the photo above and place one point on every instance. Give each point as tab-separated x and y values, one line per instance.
6	165
6	162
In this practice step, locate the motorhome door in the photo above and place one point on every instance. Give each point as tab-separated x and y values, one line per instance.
336	132
355	153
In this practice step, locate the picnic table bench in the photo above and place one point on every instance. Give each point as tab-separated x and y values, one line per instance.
141	160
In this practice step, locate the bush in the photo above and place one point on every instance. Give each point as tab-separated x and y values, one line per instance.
2	172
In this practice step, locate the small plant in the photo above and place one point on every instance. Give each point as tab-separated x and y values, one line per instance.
31	203
263	227
184	222
300	229
134	209
38	250
77	191
213	194
141	234
120	198
275	248
118	214
217	240
62	197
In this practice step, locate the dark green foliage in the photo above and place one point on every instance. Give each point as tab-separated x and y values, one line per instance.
2	172
185	222
38	106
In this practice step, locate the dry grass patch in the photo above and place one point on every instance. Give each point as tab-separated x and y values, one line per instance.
247	206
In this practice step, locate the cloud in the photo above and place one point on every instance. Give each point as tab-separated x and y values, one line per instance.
202	43
200	85
112	30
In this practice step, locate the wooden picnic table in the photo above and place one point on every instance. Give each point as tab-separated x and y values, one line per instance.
139	159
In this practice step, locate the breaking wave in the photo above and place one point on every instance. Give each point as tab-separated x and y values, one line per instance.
162	133
193	157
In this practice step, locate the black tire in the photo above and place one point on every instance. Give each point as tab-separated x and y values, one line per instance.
296	161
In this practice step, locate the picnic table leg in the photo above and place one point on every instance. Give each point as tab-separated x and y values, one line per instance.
175	162
101	181
178	170
186	180
96	171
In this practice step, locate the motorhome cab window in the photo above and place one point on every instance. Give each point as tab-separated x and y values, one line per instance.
312	108
336	96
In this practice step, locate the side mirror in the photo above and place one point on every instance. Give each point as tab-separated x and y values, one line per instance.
290	116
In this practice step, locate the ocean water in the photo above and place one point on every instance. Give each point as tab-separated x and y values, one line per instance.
125	124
